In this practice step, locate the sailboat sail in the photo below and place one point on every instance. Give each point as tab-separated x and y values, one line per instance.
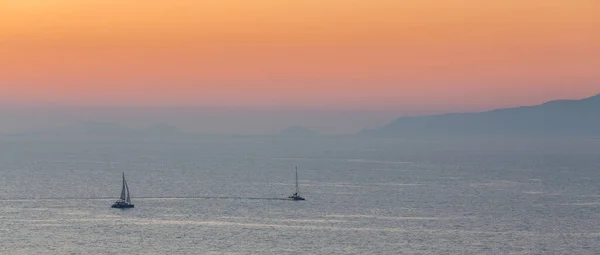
128	195
123	190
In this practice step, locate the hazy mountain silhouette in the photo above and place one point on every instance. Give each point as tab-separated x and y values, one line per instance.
297	131
560	117
160	129
103	130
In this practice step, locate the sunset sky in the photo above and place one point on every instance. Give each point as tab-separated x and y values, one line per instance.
413	57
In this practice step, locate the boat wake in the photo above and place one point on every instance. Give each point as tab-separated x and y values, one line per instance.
141	198
208	197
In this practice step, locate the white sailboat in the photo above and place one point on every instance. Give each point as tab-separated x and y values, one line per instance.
125	199
295	196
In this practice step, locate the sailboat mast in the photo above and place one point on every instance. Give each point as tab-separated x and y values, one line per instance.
297	189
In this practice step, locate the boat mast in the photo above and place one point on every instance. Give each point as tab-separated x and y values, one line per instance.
297	189
123	188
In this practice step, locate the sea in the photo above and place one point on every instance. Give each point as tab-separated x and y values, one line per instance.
225	195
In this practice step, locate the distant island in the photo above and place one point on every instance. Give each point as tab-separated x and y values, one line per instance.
297	131
560	117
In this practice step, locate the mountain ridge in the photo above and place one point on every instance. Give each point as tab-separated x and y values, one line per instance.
556	117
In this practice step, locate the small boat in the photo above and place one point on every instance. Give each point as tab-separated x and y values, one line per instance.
295	196
125	199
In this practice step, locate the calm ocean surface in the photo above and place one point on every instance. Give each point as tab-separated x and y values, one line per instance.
223	196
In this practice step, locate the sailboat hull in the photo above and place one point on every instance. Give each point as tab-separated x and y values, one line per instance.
295	198
122	205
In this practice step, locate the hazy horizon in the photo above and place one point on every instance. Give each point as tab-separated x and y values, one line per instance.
194	120
218	121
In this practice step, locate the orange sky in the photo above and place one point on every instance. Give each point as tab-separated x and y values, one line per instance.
413	56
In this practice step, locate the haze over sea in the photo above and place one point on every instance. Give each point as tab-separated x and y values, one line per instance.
364	196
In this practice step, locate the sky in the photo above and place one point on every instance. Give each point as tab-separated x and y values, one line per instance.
385	56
